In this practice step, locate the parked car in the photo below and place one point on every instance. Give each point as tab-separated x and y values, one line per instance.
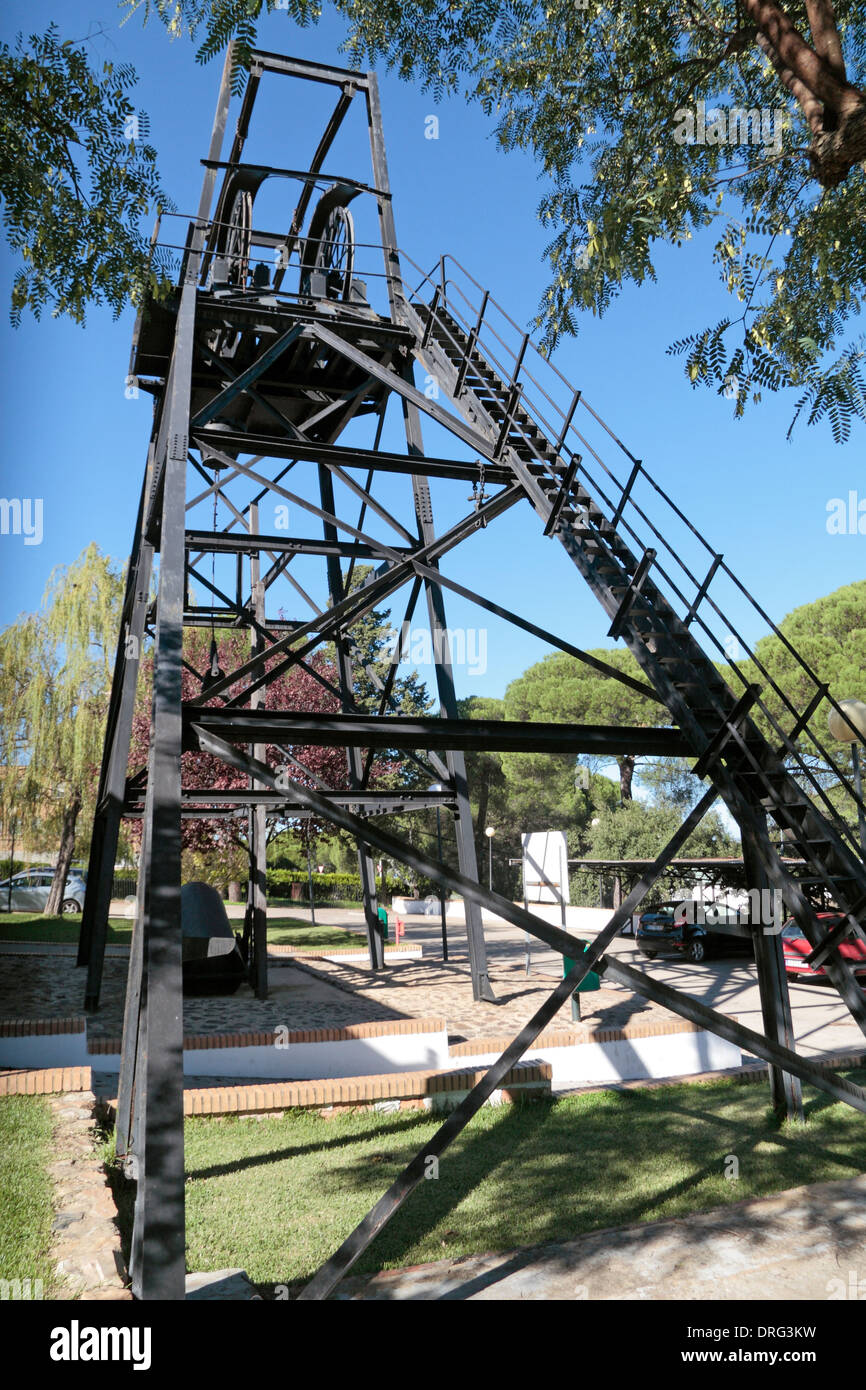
795	947
30	889
671	930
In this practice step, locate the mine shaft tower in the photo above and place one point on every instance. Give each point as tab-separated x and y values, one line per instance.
275	352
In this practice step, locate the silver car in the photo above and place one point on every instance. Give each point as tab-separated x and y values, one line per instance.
29	891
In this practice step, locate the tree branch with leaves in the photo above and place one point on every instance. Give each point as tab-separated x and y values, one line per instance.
595	93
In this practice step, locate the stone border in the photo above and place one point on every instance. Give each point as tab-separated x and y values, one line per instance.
59	1080
87	1248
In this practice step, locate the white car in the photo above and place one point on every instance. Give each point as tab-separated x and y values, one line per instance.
29	891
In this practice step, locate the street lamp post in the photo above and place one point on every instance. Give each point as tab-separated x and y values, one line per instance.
852	729
596	821
490	832
310	879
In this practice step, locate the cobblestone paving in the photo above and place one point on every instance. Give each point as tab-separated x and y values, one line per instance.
51	987
323	994
432	989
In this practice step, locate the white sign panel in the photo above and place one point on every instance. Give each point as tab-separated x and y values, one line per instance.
545	866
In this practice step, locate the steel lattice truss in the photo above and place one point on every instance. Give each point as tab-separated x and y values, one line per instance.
268	364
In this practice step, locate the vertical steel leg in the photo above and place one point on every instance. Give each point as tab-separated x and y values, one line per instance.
103	848
466	857
257	891
132	1011
375	932
159	1208
786	1091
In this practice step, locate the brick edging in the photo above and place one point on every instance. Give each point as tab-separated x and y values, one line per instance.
29	1027
585	1034
318	952
44	1082
197	1042
353	1090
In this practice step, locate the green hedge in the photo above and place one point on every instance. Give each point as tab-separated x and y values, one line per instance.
326	887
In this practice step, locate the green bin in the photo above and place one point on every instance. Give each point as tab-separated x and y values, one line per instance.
589	982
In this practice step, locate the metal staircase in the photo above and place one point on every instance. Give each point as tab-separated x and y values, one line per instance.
597	524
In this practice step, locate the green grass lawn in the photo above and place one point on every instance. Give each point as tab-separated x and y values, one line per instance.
351	904
33	926
288	931
282	931
26	1192
277	1196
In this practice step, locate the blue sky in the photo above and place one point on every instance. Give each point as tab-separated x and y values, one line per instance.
75	440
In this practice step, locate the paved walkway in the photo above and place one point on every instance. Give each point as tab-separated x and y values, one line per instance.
320	995
430	988
807	1243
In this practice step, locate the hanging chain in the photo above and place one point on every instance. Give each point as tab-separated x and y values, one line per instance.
477	496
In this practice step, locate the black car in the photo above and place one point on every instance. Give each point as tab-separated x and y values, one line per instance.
687	930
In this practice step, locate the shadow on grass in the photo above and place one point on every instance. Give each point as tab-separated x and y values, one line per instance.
558	1174
400	1124
529	1175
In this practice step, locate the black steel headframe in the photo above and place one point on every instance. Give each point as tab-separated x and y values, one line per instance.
265	378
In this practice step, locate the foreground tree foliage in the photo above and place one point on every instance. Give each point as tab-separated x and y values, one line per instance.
743	121
76	179
652	124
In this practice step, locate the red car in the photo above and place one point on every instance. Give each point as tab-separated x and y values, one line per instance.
795	947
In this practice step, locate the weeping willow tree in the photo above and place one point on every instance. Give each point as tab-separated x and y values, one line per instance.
55	680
